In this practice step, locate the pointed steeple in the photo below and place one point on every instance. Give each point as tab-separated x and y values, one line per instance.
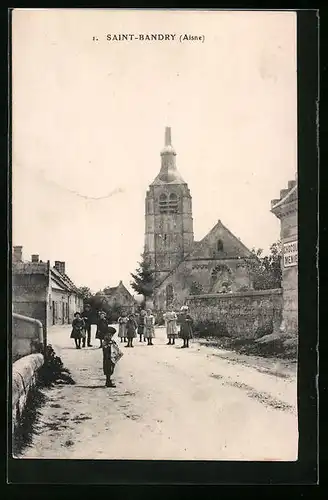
168	136
168	172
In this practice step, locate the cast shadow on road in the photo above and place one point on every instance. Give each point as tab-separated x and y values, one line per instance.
82	348
91	386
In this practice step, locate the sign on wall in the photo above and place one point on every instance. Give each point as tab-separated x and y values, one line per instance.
290	254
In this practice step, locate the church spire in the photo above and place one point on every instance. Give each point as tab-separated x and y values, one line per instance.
168	136
168	172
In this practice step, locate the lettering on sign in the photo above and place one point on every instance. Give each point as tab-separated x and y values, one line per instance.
290	254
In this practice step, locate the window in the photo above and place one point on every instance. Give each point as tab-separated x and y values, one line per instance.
168	204
169	294
220	246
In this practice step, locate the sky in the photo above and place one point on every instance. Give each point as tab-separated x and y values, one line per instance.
89	119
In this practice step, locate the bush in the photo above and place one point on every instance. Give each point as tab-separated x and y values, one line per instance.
263	330
53	370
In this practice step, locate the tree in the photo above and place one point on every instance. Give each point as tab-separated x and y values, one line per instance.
266	270
85	292
143	279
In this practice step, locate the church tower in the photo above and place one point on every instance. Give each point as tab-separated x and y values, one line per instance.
169	233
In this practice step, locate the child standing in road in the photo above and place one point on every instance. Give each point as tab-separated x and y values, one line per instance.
102	327
185	321
170	318
122	321
111	355
131	327
149	327
77	329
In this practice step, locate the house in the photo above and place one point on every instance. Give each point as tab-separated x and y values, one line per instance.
119	297
285	208
42	291
216	264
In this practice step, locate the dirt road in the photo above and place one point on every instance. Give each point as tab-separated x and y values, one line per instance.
169	403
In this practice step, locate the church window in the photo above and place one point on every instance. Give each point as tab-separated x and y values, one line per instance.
169	294
168	204
163	203
220	246
173	203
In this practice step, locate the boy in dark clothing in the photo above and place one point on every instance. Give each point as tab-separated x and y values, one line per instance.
88	317
111	354
102	327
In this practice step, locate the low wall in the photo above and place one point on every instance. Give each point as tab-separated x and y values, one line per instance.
28	336
24	375
248	314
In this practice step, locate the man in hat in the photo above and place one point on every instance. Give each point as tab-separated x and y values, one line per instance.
90	320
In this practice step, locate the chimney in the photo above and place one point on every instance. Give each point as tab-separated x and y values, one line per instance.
35	258
18	254
60	266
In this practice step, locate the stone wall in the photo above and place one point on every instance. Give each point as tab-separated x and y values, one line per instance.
200	272
24	376
244	314
30	291
28	336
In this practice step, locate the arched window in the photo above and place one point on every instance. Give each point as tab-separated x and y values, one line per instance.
169	294
219	246
163	203
173	203
168	204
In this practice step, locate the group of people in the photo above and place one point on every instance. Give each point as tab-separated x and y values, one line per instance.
129	326
142	324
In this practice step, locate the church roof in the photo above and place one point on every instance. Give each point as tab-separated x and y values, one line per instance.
207	247
171	177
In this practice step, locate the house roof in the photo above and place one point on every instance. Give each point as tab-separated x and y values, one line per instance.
63	280
286	197
112	290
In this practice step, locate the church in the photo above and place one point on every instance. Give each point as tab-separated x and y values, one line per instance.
181	265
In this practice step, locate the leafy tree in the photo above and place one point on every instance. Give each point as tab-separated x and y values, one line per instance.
143	279
85	292
266	270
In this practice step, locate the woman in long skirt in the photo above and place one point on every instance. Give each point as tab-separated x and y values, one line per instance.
78	327
122	321
185	321
131	329
170	318
149	327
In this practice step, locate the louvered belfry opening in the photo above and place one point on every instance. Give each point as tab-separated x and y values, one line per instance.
168	204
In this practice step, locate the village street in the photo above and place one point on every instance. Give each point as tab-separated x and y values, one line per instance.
169	403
